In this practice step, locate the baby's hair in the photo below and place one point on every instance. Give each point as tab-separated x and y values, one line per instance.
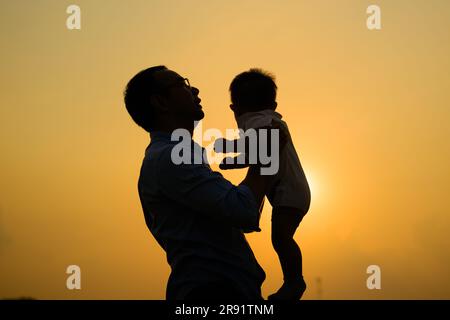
254	90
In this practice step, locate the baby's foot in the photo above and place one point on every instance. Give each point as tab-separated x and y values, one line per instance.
290	290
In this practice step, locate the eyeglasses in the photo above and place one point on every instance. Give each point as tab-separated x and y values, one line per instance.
178	82
186	82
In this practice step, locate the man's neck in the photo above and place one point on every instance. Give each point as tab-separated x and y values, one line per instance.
170	127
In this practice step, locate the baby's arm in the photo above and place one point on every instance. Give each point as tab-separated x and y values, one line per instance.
243	159
226	146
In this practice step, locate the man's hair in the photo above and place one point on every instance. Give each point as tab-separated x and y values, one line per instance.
254	89
137	94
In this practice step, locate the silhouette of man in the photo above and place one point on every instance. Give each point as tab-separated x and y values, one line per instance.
195	214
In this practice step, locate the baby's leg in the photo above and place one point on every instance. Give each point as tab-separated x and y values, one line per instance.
285	221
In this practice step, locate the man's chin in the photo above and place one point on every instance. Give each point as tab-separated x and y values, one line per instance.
199	115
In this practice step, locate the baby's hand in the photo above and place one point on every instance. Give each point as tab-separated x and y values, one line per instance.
222	145
225	146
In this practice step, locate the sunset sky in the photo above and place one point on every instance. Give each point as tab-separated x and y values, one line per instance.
369	113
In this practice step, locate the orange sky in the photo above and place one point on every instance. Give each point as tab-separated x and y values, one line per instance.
368	112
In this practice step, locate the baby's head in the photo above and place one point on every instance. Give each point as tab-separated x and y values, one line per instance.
253	90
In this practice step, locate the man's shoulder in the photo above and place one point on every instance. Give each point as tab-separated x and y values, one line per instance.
173	158
158	149
157	155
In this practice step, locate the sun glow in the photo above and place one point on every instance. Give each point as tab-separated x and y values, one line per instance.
313	185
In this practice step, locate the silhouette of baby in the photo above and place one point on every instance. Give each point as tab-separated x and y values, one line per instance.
253	97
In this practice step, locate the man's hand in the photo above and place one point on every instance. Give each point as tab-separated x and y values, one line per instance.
229	163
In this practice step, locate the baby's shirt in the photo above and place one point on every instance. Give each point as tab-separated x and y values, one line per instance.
289	186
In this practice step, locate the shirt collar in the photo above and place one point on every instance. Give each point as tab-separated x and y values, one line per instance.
164	136
160	135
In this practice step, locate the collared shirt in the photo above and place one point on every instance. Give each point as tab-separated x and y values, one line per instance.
196	216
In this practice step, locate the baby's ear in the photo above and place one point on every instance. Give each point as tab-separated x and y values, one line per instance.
232	107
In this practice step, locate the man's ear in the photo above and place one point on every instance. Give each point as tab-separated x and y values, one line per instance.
158	103
232	107
274	106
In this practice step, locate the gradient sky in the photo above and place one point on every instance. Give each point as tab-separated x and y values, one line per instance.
369	113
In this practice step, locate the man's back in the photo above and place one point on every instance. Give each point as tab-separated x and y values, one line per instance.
196	216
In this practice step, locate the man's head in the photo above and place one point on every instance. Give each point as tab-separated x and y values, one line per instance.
253	90
158	98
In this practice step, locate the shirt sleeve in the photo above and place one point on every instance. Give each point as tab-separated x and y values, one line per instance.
207	192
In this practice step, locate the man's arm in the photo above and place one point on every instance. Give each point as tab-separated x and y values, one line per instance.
257	183
208	193
254	180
